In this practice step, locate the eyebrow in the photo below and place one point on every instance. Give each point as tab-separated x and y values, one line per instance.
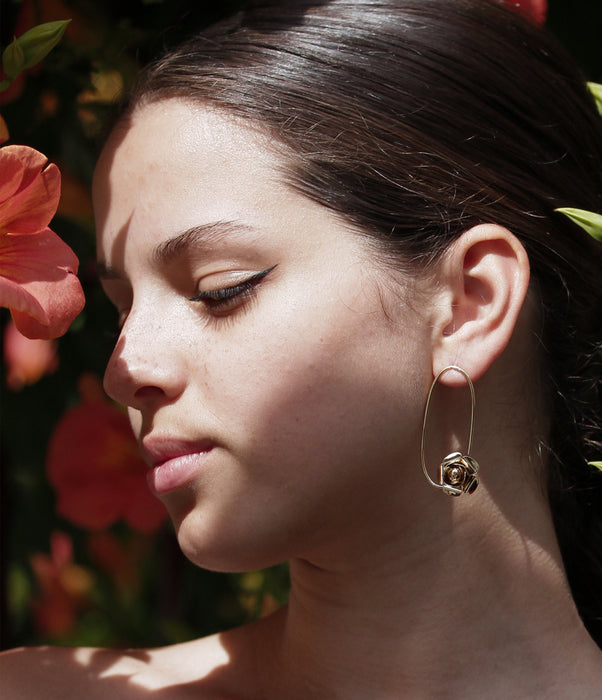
203	237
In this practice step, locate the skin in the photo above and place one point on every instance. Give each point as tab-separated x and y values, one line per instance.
273	381
300	404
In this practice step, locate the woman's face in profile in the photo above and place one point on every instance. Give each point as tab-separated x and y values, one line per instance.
274	371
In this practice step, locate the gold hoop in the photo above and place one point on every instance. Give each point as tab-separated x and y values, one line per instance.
457	472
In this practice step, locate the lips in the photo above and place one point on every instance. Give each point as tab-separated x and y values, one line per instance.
174	463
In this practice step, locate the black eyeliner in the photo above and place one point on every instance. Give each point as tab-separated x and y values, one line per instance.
225	293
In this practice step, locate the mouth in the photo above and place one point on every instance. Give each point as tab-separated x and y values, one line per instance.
174	463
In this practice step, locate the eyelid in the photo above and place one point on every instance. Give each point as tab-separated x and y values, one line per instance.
238	287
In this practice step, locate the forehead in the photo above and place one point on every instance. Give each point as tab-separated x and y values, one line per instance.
173	160
160	133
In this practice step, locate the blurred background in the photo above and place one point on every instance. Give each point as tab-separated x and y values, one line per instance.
87	555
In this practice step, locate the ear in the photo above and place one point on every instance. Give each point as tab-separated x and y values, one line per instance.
483	281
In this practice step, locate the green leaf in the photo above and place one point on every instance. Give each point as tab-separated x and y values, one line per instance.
30	48
13	59
598	465
588	220
19	590
596	90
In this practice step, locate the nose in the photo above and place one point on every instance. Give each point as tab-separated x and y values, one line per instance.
143	368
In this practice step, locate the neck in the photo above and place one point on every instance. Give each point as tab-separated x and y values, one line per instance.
480	603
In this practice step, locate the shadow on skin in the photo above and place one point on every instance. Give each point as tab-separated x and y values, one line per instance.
76	673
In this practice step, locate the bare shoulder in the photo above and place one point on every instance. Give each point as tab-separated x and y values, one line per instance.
62	672
223	666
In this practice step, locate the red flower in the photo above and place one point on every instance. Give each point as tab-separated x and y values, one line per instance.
535	10
38	281
64	587
27	360
96	469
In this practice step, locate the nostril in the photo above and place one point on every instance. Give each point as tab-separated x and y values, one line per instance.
148	393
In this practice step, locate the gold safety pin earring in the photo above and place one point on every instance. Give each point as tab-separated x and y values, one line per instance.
457	472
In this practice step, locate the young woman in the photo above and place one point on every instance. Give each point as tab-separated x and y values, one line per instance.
324	225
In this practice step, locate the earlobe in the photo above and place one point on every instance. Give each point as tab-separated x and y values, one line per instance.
484	280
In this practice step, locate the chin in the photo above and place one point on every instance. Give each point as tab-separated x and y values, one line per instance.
220	547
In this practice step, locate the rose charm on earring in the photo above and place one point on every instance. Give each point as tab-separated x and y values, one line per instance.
457	472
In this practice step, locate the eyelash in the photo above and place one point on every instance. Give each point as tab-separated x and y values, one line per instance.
220	300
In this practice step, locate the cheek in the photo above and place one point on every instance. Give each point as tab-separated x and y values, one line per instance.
317	425
321	384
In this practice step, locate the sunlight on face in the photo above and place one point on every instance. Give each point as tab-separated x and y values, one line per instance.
273	371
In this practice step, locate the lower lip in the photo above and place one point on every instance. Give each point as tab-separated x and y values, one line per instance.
176	472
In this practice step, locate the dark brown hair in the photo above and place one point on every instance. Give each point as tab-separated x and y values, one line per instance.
415	120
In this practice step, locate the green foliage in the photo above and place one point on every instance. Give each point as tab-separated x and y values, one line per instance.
29	49
589	221
596	90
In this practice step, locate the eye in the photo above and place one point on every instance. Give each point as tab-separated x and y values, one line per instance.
221	300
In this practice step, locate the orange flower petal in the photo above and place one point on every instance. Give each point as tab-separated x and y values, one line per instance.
32	161
44	267
27	360
30	208
63	298
14	297
12	170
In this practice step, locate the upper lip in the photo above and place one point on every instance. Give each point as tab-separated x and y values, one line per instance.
158	449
